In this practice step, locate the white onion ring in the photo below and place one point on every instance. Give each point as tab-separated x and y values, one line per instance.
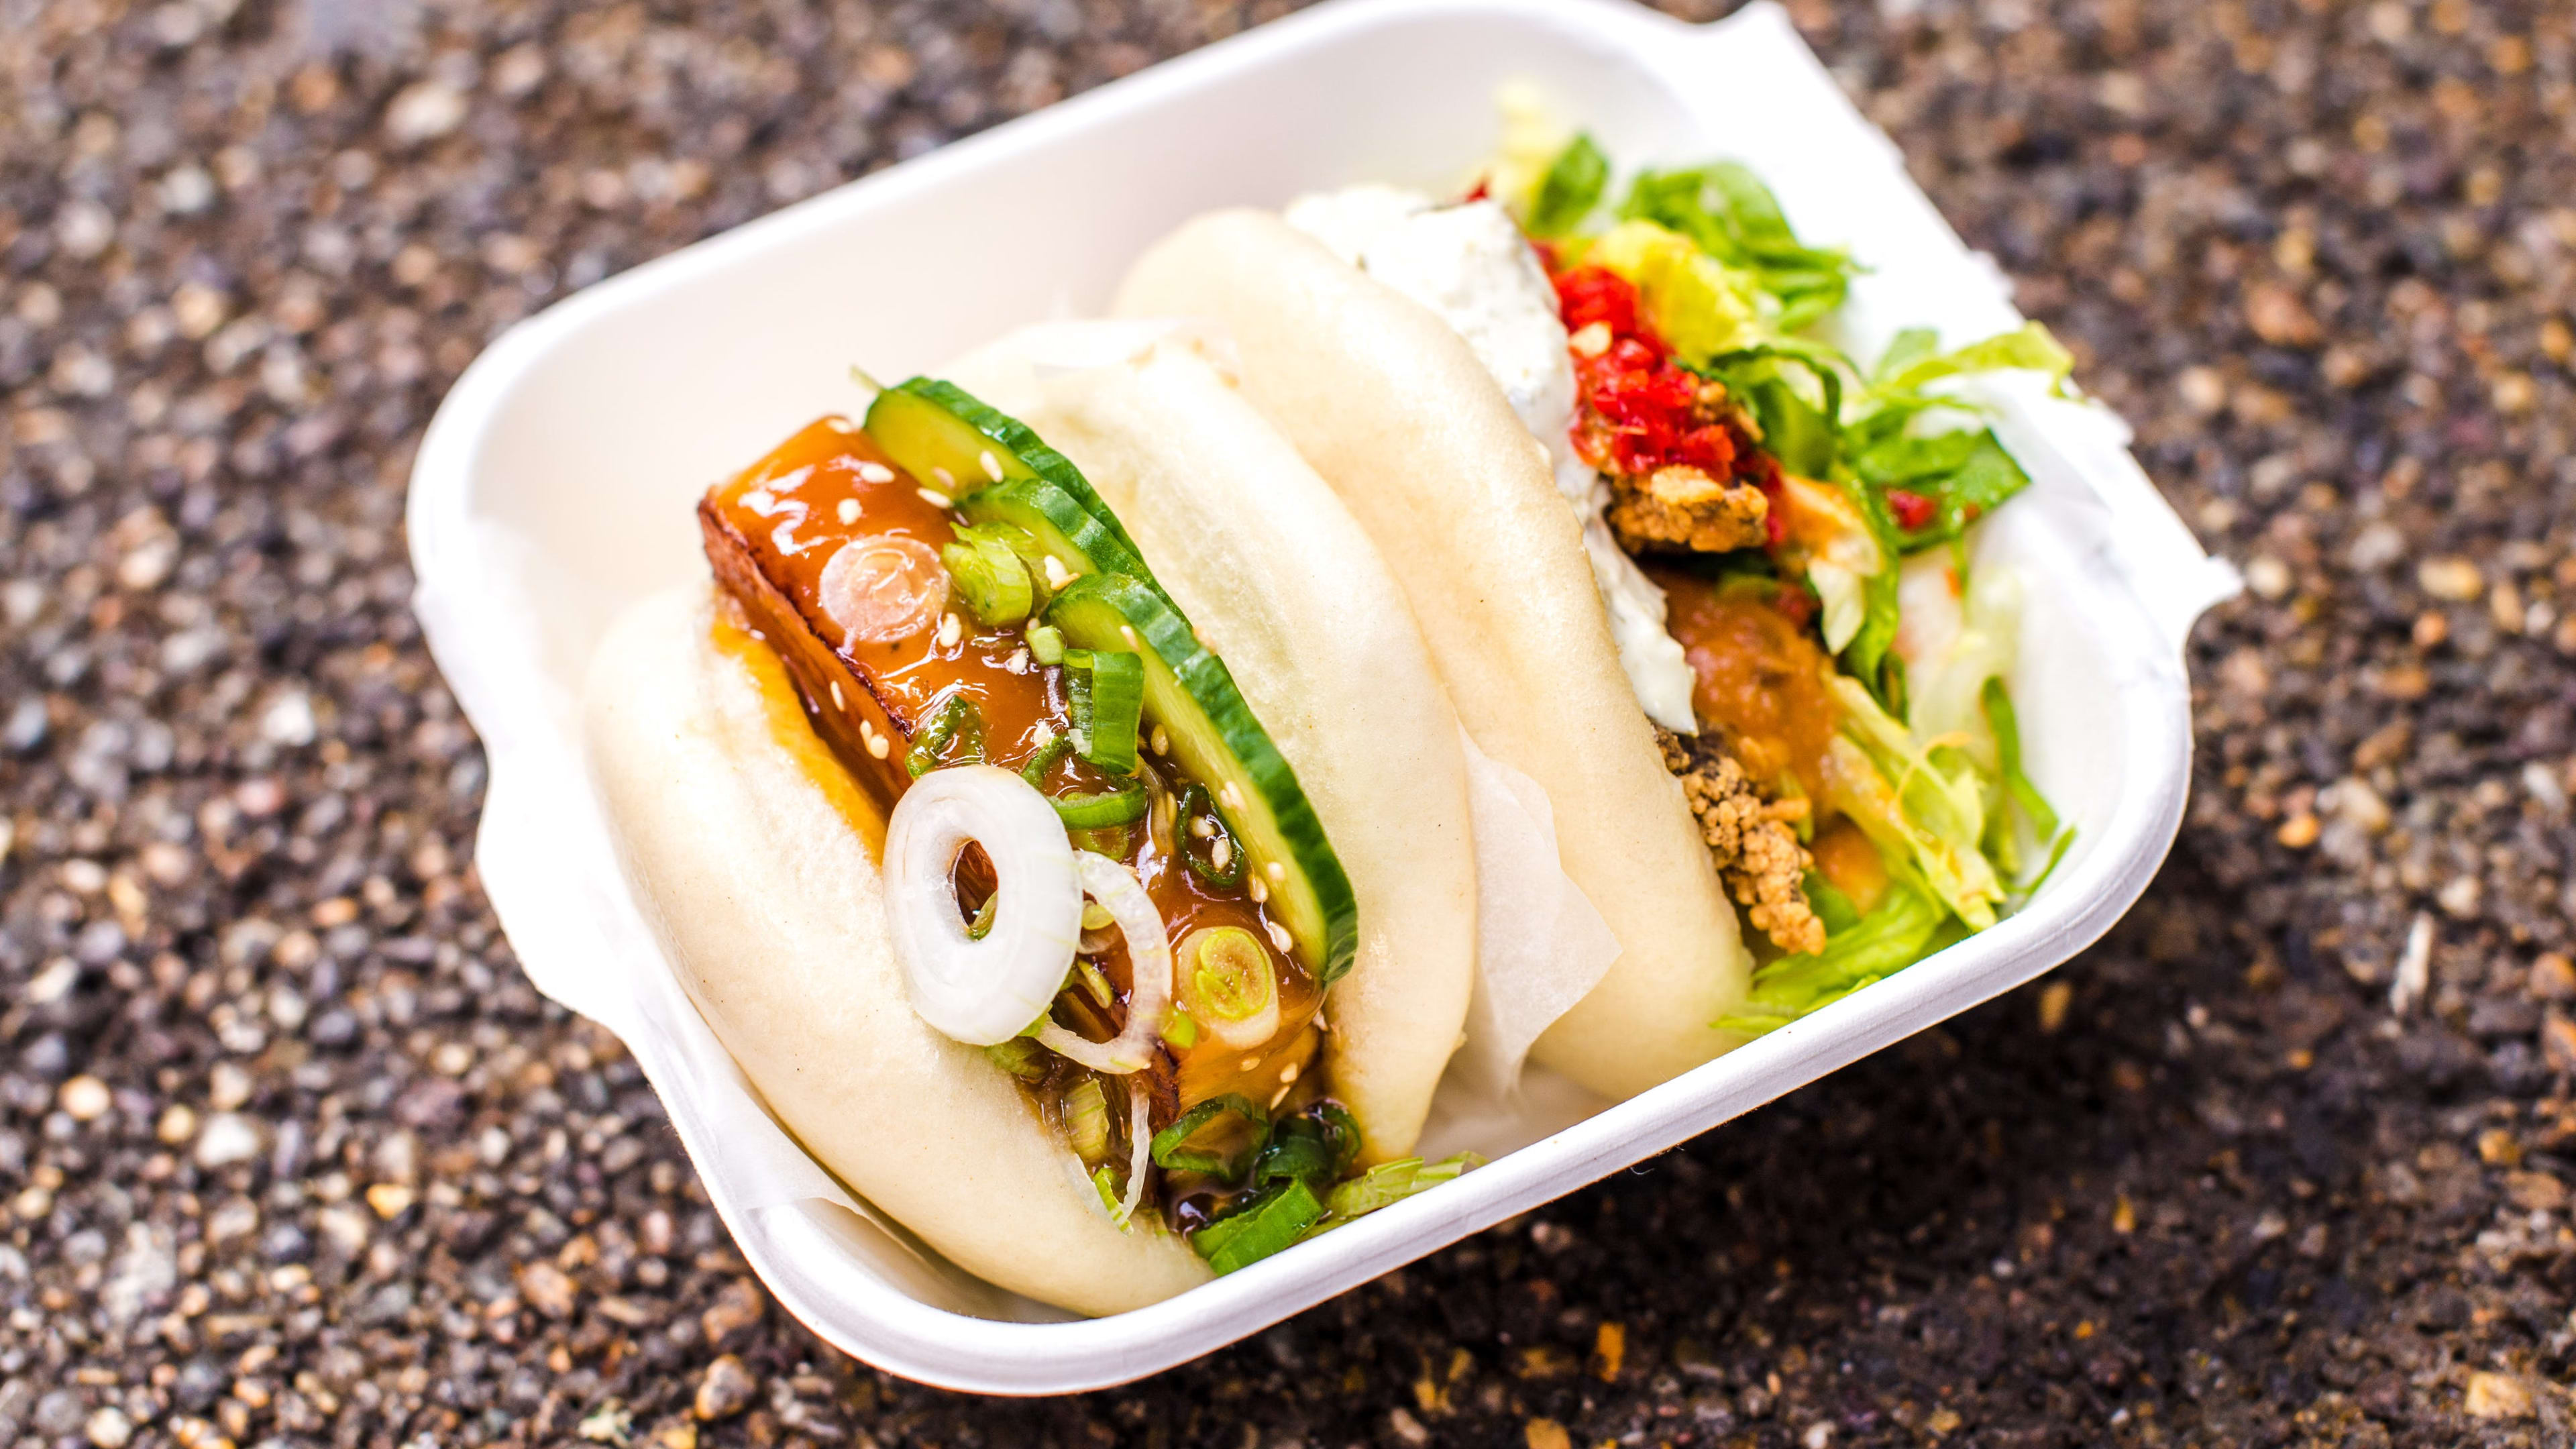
988	991
883	588
1149	954
1140	1138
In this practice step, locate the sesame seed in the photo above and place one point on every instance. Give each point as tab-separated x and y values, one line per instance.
950	631
1278	1097
946	478
840	424
1260	892
1278	872
1201	828
1128	633
848	512
1230	797
1221	854
1056	576
836	695
875	473
1288	1072
1279	937
1019	661
935	498
1045	735
992	465
877	743
1161	742
1248	1064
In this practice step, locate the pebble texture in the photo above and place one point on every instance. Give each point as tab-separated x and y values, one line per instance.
291	1153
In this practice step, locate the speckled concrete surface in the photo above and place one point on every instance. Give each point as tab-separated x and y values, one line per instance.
291	1151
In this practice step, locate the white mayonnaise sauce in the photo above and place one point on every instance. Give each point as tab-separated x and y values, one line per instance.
1469	264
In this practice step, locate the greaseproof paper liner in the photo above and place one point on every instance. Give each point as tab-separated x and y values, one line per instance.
1540	944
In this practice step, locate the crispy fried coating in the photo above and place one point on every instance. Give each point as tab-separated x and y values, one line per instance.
1682	508
1757	852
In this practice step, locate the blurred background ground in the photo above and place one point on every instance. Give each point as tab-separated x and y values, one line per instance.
291	1152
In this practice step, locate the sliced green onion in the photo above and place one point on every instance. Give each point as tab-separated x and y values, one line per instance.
1056	748
1095	985
1020	1057
1224	863
1309	1147
1101	810
1393	1182
989	574
1227	983
957	719
982	925
1180	1030
1171	1151
1046	643
1108	840
1270	1223
1086	1121
1116	694
2007	727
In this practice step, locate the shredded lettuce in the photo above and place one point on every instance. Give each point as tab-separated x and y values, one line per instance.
1726	210
1947	678
1702	307
1569	190
1913	805
1393	1182
1890	938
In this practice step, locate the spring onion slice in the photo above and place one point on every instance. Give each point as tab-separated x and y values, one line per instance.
982	992
1223	865
956	719
1272	1223
1226	984
1096	811
988	574
1107	699
1149	958
1171	1147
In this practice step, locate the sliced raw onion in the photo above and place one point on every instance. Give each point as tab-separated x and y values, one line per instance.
986	991
1140	1137
1149	955
883	588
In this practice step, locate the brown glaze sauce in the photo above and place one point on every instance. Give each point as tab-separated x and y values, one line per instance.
771	531
1761	677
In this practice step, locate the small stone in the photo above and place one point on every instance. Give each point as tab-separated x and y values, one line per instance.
726	1390
227	1138
1546	1434
390	1200
2496	1396
424	111
86	1098
109	1428
2202	390
548	1289
2299	831
2453	580
228	1086
178	1123
2553	977
738	1306
2267	576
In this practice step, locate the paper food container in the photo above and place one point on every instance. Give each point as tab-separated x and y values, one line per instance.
555	487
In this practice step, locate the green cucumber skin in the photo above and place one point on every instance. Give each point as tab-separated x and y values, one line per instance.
1276	821
1060	524
941	409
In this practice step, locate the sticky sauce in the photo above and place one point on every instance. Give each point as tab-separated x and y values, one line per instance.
1761	678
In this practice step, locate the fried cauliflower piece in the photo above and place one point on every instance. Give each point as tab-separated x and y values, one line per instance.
1682	507
1756	850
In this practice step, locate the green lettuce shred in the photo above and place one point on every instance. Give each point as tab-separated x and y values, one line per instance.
1890	938
1912	805
1569	190
1393	1182
1733	217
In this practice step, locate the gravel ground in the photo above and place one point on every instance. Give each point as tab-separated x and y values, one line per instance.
290	1151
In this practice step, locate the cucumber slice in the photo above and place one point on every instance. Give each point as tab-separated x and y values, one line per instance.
1073	534
931	427
1215	737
